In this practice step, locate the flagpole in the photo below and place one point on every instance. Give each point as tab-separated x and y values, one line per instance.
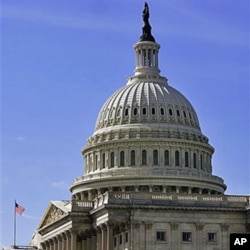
15	224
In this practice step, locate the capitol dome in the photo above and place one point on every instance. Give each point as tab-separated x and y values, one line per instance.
148	103
147	138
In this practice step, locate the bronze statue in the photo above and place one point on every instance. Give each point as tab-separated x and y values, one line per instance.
146	29
145	14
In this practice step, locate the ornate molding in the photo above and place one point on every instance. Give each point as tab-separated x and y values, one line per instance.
199	226
135	225
148	225
174	225
224	227
53	215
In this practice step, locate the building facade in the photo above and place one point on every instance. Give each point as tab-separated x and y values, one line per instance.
148	181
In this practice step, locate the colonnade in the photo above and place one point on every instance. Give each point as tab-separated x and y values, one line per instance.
99	238
155	190
169	157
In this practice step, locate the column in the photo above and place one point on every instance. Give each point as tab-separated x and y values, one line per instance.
148	234
199	228
104	237
90	195
59	242
152	58
126	157
84	243
79	245
110	242
89	242
45	245
64	241
73	237
128	227
224	236
87	164
82	196
135	236
142	233
94	240
68	240
49	245
174	236
99	238
122	235
52	244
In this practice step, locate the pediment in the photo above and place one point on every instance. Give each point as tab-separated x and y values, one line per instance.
55	211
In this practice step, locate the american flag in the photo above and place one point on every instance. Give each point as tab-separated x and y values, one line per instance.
19	209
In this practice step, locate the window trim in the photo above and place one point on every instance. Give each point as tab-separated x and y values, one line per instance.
166	157
160	233
122	158
177	158
215	241
112	160
144	157
188	239
186	159
132	158
155	157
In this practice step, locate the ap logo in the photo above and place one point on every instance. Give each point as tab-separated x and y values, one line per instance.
239	241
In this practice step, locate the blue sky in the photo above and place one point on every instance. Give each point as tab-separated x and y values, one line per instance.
62	59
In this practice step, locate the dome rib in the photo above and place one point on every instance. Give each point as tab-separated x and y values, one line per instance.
153	96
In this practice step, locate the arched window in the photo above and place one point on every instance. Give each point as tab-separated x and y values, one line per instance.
132	155
153	111
177	158
122	159
155	157
144	111
103	160
201	161
112	159
195	161
162	111
126	112
166	158
118	112
135	111
144	157
96	158
170	112
111	113
186	159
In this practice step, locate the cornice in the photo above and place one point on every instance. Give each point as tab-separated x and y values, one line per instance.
136	142
174	208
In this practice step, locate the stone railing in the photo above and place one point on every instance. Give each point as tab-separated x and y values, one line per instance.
140	198
170	199
150	172
81	205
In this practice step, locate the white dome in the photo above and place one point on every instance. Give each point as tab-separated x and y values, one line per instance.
148	103
147	138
